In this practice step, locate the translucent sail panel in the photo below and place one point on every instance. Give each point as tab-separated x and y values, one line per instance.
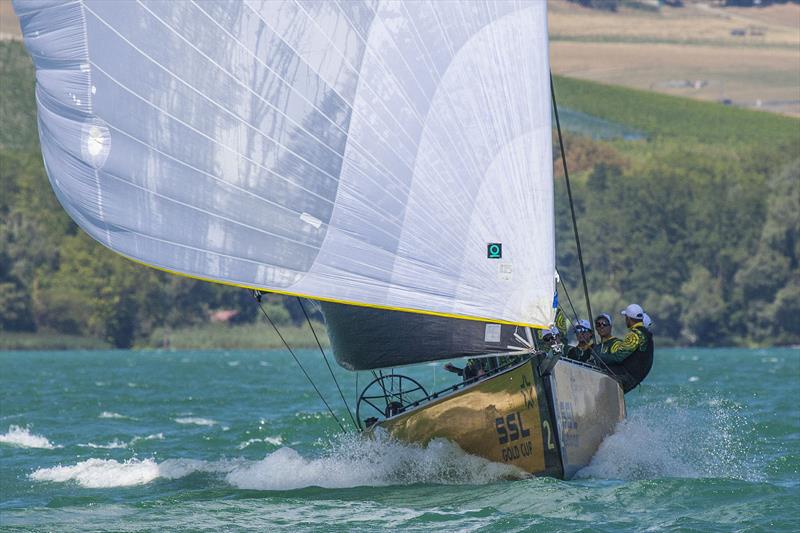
358	152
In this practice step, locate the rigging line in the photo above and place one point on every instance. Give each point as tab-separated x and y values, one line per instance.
566	293
571	205
310	325
257	296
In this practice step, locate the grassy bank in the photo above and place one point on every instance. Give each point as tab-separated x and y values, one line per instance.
205	337
49	341
242	337
679	119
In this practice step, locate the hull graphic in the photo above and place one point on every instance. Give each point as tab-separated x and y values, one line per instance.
513	418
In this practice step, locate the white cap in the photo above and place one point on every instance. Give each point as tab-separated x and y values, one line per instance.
634	311
585	324
647	321
606	316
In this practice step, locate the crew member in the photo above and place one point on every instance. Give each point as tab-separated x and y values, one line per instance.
556	333
631	358
603	326
550	337
584	351
473	369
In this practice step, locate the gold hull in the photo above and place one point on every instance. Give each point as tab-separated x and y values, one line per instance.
548	425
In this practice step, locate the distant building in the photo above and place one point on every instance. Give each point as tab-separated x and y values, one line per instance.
223	315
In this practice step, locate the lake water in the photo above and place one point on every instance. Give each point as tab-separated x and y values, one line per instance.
131	441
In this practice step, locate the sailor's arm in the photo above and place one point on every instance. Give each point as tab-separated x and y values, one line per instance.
453	368
621	349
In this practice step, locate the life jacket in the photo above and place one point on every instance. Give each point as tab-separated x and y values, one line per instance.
639	363
605	345
581	354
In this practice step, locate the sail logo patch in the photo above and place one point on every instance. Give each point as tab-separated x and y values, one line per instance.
494	250
492	333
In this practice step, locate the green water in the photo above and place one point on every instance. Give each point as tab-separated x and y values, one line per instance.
129	441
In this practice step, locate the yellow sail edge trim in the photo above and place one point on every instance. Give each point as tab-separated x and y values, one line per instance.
333	300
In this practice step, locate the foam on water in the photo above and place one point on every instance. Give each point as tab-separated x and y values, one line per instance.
154	436
350	461
108	473
195	420
117	444
109	414
275	441
114	444
22	437
703	439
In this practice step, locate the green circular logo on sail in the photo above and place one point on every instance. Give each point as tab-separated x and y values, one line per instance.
494	250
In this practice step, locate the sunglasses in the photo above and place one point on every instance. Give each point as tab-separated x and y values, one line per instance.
602	324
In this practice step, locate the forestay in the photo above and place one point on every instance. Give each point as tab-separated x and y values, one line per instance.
359	152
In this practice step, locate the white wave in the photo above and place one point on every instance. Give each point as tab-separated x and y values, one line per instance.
108	473
197	421
117	444
114	444
22	437
350	461
109	414
154	436
355	461
676	440
275	441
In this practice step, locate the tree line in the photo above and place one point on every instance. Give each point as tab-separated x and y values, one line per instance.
705	238
698	223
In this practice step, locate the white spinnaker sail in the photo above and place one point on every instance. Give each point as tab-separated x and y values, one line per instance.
363	152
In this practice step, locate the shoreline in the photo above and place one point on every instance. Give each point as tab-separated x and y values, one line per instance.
222	337
204	337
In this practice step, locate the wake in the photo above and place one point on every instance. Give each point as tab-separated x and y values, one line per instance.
349	461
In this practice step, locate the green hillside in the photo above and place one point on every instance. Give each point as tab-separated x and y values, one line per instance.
698	222
17	101
670	117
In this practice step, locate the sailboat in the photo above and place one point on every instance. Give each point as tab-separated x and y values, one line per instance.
390	160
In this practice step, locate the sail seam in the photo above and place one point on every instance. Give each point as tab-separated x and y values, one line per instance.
98	188
403	94
234	151
377	98
362	151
